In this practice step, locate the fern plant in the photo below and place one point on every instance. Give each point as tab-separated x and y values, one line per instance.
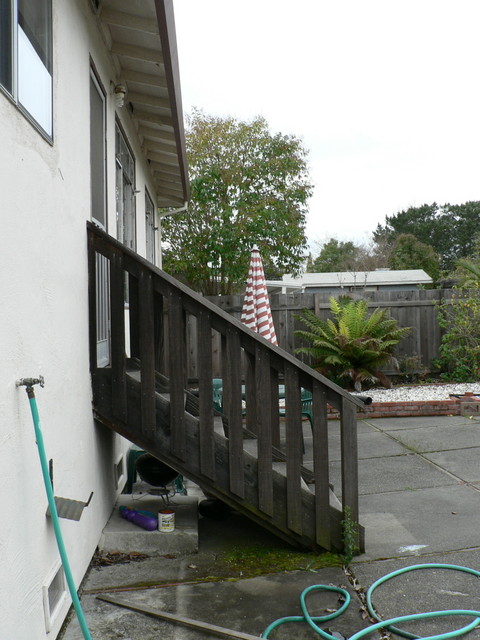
469	272
351	345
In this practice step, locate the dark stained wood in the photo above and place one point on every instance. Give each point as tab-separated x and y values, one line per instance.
264	431
320	465
92	302
159	446
159	331
293	420
232	389
147	352
274	408
205	394
117	315
251	393
176	335
133	316
165	416
349	447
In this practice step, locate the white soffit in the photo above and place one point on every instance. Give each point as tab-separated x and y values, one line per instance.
140	35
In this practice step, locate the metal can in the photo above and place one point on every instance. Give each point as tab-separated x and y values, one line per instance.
166	520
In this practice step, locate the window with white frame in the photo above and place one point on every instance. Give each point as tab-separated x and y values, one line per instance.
150	227
125	190
26	57
97	152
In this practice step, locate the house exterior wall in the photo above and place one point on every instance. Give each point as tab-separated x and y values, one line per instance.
44	205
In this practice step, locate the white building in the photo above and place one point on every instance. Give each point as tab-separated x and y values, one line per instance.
91	128
350	281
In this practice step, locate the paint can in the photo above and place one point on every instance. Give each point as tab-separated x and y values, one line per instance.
166	520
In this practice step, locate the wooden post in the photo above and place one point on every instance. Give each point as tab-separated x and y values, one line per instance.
117	315
147	353
294	449
205	394
320	466
264	430
176	330
349	448
251	392
92	301
232	387
133	314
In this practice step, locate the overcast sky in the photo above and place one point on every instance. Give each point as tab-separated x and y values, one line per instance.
385	95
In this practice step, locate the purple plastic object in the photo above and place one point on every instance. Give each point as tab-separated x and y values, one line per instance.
140	519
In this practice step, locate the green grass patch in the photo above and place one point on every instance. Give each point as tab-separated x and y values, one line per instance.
255	560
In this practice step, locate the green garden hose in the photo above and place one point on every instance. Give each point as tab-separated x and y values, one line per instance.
28	383
381	624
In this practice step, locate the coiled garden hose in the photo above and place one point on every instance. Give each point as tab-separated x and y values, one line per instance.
381	624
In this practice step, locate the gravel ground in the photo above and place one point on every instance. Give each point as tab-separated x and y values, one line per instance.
421	392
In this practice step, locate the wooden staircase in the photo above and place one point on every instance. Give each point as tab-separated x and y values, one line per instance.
144	393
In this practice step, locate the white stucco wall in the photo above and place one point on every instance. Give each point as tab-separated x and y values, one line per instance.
44	205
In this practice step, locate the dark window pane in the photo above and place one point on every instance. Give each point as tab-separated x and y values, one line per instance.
6	44
97	153
35	18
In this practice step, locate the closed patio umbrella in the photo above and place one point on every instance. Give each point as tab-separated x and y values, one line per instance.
256	312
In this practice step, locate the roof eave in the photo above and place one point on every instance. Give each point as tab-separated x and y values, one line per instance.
166	27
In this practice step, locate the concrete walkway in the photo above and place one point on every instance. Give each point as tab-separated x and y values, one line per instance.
419	503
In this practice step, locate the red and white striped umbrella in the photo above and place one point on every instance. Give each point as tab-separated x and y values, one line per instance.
256	312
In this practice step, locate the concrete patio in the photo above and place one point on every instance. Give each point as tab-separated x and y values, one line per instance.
419	503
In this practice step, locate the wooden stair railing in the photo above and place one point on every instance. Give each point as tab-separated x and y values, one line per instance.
156	321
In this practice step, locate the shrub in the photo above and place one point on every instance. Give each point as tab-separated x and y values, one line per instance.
412	369
459	358
352	345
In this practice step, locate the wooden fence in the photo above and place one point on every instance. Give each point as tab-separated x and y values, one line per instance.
416	309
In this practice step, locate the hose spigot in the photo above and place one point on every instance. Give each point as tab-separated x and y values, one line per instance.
29	382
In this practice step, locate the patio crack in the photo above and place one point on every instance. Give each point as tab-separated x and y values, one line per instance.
360	592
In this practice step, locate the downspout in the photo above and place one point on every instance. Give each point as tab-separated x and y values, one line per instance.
172	212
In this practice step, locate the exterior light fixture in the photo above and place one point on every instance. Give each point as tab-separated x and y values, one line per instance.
120	91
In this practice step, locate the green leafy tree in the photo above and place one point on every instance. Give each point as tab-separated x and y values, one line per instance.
352	345
450	229
409	253
248	186
335	255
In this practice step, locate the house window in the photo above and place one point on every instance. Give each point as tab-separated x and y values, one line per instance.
150	227
97	153
125	191
26	57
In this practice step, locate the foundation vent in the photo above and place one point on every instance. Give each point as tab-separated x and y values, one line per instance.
54	595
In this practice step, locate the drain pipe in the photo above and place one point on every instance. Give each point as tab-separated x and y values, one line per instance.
29	383
172	212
